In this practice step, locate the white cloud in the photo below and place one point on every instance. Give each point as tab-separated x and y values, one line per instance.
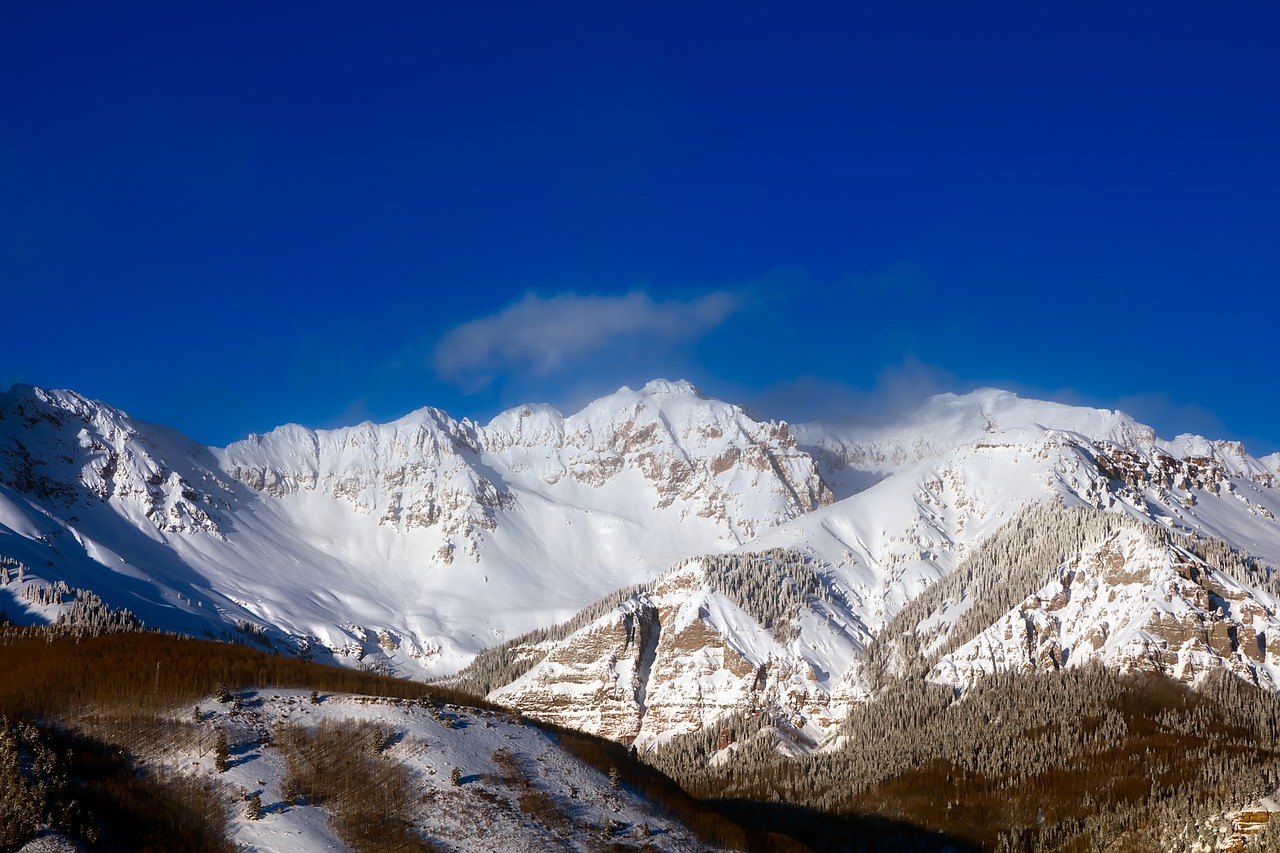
897	388
545	335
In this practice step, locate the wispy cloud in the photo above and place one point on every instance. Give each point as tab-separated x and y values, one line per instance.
542	336
896	389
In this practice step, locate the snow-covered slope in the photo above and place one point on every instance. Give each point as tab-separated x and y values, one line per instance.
961	466
920	496
415	543
515	788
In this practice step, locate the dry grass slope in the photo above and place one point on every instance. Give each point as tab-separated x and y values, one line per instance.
340	765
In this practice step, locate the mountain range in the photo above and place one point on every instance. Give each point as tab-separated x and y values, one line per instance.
661	560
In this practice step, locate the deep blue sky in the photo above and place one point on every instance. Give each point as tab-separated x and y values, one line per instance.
230	216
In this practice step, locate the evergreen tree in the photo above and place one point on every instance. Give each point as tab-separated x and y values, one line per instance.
253	809
221	751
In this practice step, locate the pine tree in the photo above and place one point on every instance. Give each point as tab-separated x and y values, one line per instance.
221	751
253	810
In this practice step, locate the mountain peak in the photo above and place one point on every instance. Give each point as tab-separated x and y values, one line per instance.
946	421
670	402
63	400
680	387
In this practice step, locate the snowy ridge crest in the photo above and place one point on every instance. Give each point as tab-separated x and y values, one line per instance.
61	447
426	469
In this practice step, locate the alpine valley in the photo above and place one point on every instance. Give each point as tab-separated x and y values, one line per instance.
665	571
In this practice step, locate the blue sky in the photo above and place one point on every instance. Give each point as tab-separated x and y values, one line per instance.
231	216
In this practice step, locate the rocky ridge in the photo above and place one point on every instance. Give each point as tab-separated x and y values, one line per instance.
429	470
698	644
62	448
1136	602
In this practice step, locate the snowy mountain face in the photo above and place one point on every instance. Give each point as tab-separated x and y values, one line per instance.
921	501
762	567
413	544
663	448
67	451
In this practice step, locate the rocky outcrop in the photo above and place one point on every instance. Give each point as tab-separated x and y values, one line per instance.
60	447
671	661
1133	605
595	680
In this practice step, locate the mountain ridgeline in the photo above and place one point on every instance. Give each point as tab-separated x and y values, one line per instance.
414	543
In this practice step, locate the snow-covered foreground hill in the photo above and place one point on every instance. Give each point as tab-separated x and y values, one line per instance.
515	789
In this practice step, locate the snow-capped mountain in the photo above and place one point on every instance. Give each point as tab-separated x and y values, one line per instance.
775	564
417	542
921	498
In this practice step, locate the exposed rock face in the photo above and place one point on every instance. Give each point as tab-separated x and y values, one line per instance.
1131	604
704	456
697	673
1151	474
675	659
595	681
690	449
